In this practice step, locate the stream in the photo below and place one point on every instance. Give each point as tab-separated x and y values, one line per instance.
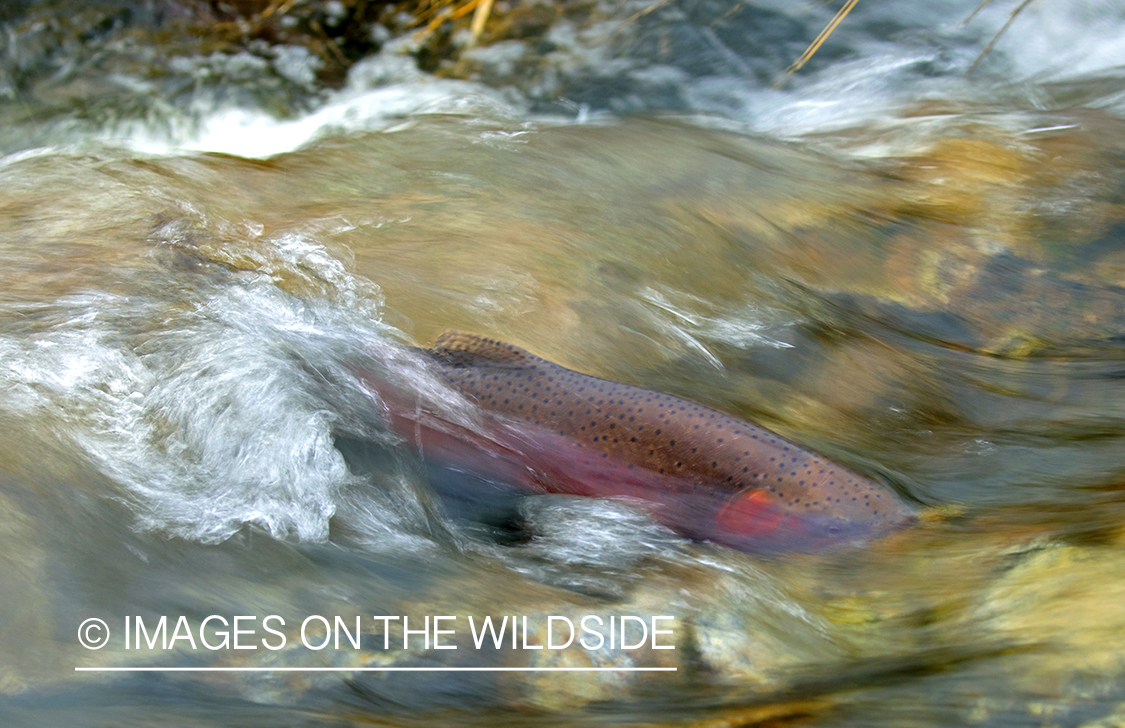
916	272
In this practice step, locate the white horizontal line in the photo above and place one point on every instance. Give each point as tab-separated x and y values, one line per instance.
375	669
1060	127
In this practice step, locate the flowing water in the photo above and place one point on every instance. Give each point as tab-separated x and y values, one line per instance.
918	274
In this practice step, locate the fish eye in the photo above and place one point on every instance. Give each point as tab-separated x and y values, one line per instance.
834	527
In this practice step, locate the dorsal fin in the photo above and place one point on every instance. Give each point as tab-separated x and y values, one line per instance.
461	349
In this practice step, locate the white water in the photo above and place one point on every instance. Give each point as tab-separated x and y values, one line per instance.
926	56
203	399
383	94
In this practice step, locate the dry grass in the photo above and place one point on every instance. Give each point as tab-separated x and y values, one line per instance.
815	45
263	18
1003	29
433	13
812	49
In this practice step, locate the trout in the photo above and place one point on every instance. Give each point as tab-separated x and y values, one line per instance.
703	473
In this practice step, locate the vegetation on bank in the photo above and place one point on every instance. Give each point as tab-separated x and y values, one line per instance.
61	50
342	31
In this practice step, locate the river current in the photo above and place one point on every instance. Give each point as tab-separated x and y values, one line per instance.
916	272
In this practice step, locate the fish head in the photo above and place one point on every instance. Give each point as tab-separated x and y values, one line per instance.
758	520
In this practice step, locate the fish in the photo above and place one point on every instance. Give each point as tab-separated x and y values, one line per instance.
703	473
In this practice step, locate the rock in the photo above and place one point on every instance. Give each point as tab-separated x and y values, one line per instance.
1067	604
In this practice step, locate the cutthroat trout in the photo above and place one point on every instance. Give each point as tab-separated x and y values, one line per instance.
703	473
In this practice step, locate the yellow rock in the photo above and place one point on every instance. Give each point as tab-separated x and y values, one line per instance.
1068	600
